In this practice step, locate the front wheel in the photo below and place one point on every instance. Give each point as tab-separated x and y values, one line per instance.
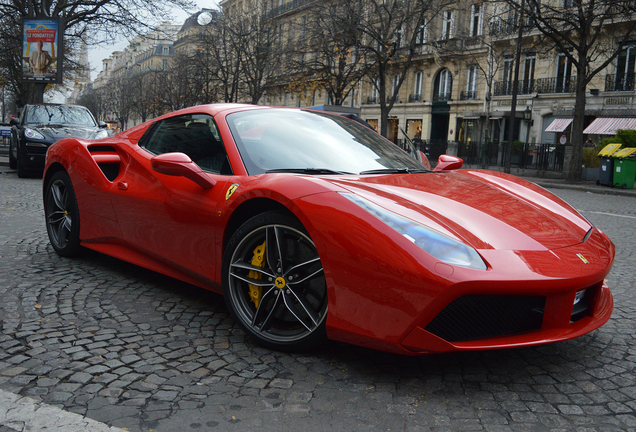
13	161
273	282
62	215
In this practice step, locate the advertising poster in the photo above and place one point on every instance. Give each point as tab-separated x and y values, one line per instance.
41	57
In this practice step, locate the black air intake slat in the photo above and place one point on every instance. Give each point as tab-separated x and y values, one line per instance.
473	317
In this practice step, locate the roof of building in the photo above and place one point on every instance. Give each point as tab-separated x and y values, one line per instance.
208	15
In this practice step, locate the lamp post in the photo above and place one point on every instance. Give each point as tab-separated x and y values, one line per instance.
515	88
527	116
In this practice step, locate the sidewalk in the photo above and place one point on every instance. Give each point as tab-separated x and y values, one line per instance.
555	183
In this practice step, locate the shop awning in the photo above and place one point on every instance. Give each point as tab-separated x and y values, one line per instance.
559	125
609	125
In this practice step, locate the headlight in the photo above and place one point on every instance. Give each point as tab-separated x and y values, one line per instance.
431	241
101	134
30	133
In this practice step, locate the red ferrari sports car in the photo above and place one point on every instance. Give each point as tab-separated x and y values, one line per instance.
314	226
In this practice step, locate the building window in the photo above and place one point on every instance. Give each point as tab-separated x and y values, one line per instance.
625	69
471	83
166	51
417	91
164	64
507	76
564	72
374	91
476	19
448	24
396	81
528	74
443	86
422	33
399	38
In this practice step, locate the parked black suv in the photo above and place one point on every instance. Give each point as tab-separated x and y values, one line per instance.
41	125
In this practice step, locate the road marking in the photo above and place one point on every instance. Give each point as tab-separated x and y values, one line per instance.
609	214
23	413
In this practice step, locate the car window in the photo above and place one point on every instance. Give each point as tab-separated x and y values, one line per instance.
278	139
195	135
58	115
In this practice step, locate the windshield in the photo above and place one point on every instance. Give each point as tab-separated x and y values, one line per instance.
59	115
287	139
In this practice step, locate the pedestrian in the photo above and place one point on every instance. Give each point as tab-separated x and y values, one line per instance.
589	143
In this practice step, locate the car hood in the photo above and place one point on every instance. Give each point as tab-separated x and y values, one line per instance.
486	209
55	133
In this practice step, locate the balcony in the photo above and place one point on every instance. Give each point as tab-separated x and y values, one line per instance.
442	97
508	27
619	82
279	10
541	85
555	85
373	100
415	98
468	95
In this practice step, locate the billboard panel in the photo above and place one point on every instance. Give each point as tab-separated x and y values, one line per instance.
41	56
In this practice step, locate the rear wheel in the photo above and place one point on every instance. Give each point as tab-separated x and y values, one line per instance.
62	215
274	284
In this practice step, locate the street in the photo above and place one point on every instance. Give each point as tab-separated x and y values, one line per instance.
133	349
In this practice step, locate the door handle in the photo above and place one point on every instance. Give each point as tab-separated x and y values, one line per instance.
122	185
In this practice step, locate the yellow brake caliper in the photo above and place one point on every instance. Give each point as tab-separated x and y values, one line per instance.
258	260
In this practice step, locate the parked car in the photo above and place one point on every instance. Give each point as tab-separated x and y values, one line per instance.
41	125
313	226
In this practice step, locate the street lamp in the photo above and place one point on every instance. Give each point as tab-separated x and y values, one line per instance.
527	116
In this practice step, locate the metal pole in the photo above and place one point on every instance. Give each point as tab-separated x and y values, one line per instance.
515	87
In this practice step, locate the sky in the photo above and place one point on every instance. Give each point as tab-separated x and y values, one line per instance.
99	52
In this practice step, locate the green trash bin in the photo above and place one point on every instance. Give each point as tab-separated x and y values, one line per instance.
624	168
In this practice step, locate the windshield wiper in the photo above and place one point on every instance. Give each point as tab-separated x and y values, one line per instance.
394	171
313	171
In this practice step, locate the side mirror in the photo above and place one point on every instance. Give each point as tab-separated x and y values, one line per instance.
180	165
14	122
448	163
102	124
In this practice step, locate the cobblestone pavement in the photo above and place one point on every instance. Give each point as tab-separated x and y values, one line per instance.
136	350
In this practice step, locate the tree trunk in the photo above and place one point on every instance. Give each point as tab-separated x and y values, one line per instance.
33	93
576	138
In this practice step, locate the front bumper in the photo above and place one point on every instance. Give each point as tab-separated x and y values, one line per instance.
32	155
557	321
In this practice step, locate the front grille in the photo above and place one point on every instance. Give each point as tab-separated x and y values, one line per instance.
473	317
36	149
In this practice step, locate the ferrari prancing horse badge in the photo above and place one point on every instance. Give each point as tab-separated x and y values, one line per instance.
230	191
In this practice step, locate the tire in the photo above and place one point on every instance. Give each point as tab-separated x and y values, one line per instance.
289	311
62	215
13	162
22	173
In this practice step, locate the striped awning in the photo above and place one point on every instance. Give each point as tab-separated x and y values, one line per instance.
559	125
609	125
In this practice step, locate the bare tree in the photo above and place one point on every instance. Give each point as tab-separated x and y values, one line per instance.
390	31
328	49
588	36
83	20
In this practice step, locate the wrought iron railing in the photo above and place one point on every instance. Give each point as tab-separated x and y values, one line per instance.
442	97
417	97
468	95
540	85
546	157
279	10
619	82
